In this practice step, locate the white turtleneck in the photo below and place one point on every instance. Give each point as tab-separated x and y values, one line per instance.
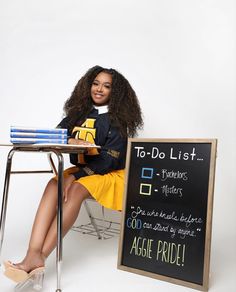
102	109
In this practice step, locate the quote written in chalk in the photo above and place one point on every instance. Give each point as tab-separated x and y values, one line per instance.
165	251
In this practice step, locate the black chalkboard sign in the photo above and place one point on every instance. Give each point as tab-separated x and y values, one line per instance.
167	210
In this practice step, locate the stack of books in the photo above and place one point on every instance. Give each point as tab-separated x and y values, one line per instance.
26	135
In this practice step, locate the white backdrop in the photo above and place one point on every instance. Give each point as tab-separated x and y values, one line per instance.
178	55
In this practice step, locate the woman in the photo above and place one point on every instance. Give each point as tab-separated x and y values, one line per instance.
104	110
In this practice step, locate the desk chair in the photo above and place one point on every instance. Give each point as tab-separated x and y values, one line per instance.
100	227
58	152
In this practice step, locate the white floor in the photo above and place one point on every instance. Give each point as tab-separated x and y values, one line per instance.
90	264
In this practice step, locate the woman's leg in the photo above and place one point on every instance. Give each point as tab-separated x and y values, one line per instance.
45	215
44	232
76	195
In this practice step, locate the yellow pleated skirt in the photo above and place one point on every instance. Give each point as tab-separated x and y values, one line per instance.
106	189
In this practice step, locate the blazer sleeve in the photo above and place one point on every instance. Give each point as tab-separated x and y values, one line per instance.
111	157
65	124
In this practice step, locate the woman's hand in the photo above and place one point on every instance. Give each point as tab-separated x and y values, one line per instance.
74	141
67	183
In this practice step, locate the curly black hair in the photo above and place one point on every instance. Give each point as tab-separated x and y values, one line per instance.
123	108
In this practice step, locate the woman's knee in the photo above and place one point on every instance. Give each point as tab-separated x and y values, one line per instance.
52	183
51	187
78	192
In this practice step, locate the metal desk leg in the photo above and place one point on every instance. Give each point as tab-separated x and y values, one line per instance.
5	197
59	218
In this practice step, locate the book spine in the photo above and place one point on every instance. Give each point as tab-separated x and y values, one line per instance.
38	130
37	135
37	141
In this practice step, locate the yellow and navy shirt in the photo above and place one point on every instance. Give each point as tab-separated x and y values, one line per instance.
97	129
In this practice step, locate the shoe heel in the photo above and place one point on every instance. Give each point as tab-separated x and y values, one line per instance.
22	286
38	281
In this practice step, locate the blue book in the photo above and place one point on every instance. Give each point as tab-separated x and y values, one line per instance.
37	135
38	130
37	141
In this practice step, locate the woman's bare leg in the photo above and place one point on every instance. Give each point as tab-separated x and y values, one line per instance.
76	195
44	232
45	215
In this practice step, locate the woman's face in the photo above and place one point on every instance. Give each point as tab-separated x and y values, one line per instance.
101	88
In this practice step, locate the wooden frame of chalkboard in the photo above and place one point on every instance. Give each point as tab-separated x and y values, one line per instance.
167	210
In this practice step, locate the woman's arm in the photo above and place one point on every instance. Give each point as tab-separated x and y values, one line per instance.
111	157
